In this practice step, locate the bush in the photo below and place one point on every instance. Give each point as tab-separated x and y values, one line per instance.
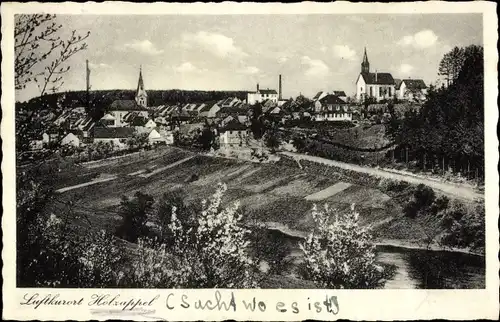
465	226
423	199
339	253
135	214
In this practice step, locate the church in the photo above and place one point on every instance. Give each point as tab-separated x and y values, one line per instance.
376	85
119	109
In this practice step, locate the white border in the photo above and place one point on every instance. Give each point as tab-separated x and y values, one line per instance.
354	304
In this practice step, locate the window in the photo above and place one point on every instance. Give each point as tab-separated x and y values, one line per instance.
380	91
390	91
371	91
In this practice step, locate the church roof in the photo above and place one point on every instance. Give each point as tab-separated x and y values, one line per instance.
125	105
378	78
140	84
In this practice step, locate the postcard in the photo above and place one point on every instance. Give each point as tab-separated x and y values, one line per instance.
250	161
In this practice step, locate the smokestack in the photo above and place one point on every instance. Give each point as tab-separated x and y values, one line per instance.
280	90
87	69
257	87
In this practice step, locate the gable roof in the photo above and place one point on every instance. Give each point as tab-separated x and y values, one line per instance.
125	105
378	78
113	132
339	93
332	99
414	83
234	125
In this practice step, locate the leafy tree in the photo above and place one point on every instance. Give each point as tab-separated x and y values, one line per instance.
451	64
272	139
339	252
135	214
207	138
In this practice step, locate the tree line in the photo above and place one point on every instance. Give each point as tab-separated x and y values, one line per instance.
447	133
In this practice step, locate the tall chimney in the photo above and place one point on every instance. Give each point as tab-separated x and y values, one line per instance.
87	89
279	90
257	87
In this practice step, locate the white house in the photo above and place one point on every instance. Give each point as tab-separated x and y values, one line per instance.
411	89
262	95
233	134
70	139
331	108
116	135
376	85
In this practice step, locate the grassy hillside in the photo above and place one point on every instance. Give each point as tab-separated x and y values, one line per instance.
268	193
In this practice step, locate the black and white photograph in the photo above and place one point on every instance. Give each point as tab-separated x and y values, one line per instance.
249	151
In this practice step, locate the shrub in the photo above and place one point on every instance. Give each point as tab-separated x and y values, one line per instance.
339	253
135	214
422	200
271	248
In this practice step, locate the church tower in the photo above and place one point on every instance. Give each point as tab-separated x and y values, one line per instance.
365	65
141	97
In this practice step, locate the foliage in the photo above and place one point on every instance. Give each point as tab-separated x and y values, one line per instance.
137	141
449	128
38	43
271	248
135	214
60	256
465	225
272	139
207	138
173	201
423	198
212	253
339	253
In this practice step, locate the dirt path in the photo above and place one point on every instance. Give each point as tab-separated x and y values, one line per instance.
455	190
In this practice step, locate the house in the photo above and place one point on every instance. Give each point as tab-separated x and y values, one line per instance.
262	95
168	136
71	139
233	134
332	108
155	137
376	85
227	120
411	89
116	135
210	109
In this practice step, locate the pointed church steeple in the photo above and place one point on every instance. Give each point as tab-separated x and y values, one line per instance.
365	65
141	97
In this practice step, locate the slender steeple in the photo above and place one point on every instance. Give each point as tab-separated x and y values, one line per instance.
141	97
365	65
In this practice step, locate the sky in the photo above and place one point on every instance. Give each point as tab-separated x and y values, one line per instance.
234	52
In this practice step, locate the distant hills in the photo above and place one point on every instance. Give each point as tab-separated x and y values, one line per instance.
101	99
